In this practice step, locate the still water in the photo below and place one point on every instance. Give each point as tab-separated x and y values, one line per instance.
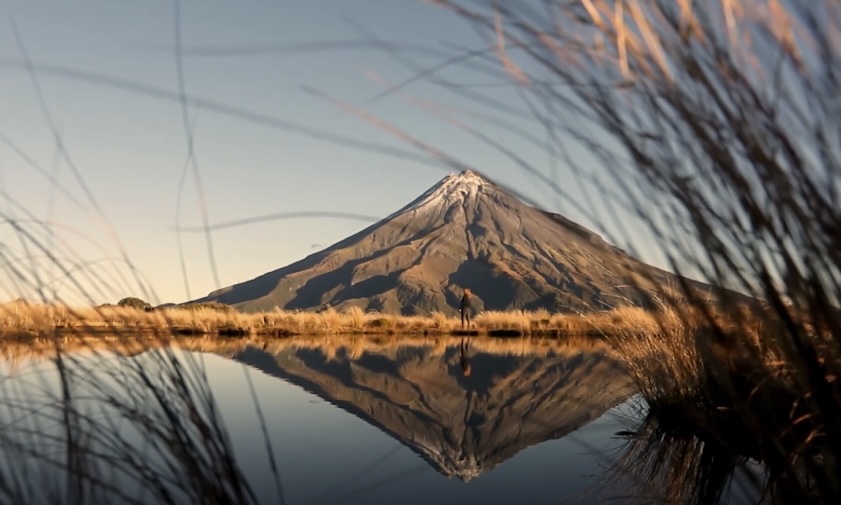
330	421
405	425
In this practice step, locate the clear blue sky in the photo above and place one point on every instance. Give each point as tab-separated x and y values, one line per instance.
128	142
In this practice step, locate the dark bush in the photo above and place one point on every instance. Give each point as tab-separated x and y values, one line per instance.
135	303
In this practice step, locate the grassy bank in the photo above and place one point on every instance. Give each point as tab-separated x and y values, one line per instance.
28	319
715	399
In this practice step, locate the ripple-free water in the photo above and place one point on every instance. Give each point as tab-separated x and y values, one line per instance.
371	424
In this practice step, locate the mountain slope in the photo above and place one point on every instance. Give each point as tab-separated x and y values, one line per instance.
461	426
465	231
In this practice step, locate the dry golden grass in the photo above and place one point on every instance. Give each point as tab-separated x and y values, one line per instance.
16	351
29	319
439	344
661	353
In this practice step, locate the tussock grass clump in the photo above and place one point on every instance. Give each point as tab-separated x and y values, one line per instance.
661	353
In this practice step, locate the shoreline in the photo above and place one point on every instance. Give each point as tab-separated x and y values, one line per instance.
45	320
188	331
38	348
101	330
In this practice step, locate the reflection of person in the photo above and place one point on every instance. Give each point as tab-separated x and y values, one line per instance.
463	358
465	307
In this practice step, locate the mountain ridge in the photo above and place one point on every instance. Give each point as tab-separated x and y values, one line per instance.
464	231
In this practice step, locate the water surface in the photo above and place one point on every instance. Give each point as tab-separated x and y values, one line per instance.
356	421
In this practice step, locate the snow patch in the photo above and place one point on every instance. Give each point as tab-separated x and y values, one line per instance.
452	190
452	463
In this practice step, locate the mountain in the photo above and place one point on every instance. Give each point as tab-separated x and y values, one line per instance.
465	231
461	426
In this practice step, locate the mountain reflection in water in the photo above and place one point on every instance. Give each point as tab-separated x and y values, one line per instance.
462	426
402	393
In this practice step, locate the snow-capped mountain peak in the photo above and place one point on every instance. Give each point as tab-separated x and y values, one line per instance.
453	189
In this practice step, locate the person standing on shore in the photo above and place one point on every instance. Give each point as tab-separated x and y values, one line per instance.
466	307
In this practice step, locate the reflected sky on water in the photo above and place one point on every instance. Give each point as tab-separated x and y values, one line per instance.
351	423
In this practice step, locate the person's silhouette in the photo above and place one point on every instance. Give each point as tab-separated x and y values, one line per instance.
466	307
463	356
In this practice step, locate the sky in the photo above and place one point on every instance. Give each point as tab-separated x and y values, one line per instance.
91	102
